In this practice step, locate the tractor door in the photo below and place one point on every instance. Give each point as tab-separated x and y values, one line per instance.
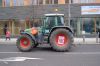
49	23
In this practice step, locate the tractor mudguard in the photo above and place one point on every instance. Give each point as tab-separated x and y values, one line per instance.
66	27
29	34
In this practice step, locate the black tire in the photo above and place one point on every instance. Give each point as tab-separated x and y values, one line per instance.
25	47
66	42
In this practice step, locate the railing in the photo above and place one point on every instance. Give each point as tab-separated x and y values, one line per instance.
96	36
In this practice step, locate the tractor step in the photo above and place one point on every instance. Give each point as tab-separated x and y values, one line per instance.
45	39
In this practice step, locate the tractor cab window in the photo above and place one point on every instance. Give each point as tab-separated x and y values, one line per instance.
60	20
50	22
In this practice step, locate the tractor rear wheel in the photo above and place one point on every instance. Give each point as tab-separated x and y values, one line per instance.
25	43
61	39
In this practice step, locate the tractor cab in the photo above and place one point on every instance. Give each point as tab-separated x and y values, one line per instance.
52	20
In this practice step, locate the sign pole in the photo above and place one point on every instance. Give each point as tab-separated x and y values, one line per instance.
69	18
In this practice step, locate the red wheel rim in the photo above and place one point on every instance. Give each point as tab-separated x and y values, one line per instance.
24	42
61	40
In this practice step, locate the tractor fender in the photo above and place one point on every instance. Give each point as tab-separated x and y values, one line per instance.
65	27
30	35
57	27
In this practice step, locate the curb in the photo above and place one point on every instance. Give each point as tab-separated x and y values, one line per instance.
76	41
85	43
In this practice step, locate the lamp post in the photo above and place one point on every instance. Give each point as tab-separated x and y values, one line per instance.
69	14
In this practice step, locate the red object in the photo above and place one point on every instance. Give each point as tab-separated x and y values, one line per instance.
34	31
61	40
24	42
8	34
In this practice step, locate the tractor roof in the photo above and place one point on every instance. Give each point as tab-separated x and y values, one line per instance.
54	14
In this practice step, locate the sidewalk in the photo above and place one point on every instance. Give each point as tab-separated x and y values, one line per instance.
87	41
76	41
11	41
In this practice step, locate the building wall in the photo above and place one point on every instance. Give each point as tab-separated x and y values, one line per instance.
37	11
24	16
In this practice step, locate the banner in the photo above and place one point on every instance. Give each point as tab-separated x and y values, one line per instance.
87	10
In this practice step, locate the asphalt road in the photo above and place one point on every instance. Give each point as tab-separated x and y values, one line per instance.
81	55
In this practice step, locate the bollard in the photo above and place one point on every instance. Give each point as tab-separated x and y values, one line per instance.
83	39
83	32
97	38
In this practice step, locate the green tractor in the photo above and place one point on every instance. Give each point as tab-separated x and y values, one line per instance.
53	31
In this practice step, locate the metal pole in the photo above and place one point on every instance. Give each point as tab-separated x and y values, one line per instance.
97	37
69	14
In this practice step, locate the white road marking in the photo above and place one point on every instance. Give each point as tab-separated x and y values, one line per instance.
17	59
82	53
10	52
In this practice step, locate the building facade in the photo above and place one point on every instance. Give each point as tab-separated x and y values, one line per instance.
21	14
7	3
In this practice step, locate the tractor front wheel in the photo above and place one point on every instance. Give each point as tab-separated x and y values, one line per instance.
61	39
25	43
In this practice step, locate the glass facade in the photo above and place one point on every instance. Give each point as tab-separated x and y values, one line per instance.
15	25
87	25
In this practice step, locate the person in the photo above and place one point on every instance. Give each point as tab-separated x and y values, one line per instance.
8	34
5	29
35	30
99	35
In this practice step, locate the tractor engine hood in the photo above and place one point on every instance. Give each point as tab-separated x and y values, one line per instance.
32	30
28	30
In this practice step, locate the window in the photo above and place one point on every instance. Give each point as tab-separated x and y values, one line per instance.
55	1
15	3
40	1
67	1
60	20
34	2
50	22
48	1
20	2
7	3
